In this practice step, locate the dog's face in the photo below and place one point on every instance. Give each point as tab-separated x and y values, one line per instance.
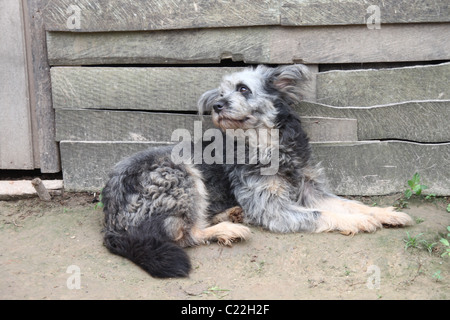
251	98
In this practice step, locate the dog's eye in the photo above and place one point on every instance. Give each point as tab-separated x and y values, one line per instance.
243	89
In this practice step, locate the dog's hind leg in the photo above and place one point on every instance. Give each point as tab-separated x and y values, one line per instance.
350	217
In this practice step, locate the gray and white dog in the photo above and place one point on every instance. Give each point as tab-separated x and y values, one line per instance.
154	206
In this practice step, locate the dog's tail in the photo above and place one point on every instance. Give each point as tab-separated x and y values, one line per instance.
159	257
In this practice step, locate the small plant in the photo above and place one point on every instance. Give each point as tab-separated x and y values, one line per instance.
446	244
259	267
428	246
448	207
99	204
401	203
217	292
437	276
431	196
412	242
419	220
414	187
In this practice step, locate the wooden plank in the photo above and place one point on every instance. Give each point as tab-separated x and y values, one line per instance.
277	45
329	12
330	129
119	15
105	125
356	44
361	168
158	47
86	165
133	88
31	93
16	147
421	121
373	87
17	189
115	15
40	89
373	168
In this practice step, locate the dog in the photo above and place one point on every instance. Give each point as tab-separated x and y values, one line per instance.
155	206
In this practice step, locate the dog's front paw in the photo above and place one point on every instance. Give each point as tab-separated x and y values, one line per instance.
230	233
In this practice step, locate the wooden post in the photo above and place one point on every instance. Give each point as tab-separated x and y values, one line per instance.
40	189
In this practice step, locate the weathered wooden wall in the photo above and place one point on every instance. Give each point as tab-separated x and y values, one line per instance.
132	71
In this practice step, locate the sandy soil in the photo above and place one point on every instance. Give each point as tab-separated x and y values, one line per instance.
45	248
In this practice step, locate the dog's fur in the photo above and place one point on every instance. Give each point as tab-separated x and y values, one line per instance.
154	207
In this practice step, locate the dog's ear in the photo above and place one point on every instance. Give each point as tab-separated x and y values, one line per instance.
292	81
207	100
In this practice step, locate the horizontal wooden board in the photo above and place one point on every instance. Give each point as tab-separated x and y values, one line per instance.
176	89
277	45
86	165
17	189
138	88
373	168
106	125
361	168
159	47
329	12
383	86
119	15
421	121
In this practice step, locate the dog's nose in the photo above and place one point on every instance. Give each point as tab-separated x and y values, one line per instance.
218	106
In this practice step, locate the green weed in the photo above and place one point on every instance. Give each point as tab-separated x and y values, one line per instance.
217	292
414	186
412	242
446	244
99	204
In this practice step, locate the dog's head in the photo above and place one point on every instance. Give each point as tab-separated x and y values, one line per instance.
255	97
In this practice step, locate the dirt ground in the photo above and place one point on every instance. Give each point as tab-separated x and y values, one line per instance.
53	250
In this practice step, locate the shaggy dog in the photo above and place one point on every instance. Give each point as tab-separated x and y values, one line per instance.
155	205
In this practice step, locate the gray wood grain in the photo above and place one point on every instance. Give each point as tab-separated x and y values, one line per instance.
176	89
16	145
421	121
373	168
120	15
40	90
86	165
105	125
359	168
277	45
375	87
329	12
